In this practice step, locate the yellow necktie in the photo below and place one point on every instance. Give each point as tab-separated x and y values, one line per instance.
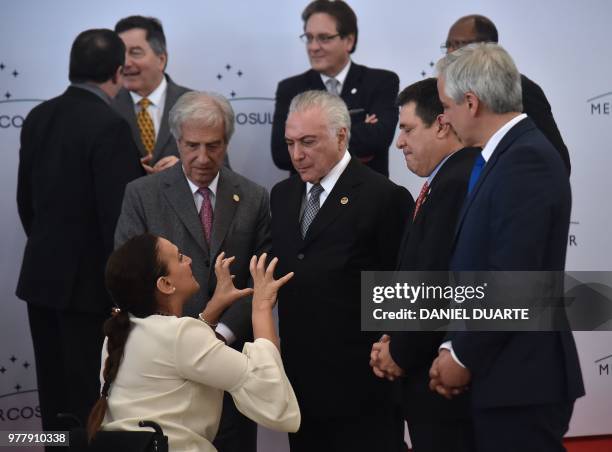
145	124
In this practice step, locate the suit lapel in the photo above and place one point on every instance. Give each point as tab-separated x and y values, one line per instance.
125	106
315	81
351	84
338	201
179	196
292	198
172	95
226	202
519	129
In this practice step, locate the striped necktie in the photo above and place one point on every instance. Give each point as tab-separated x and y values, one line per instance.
333	86
312	208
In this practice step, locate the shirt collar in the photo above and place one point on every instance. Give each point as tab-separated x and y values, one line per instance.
437	168
94	89
212	186
334	174
497	136
341	76
155	97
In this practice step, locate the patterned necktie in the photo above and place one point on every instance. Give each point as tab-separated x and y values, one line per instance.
312	208
333	86
476	170
206	213
420	199
145	124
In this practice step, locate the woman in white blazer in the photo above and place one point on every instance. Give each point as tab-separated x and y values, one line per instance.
173	370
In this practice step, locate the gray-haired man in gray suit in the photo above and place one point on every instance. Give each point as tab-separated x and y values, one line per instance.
205	208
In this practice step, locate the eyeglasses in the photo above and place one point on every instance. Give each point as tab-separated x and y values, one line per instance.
456	44
307	38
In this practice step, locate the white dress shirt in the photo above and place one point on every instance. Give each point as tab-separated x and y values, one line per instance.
329	180
158	101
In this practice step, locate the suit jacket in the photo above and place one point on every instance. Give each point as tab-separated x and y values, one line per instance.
538	109
358	228
364	90
165	144
517	218
427	246
76	157
163	204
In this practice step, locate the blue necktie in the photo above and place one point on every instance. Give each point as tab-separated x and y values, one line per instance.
476	170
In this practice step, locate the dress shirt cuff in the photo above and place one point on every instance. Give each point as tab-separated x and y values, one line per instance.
448	345
227	334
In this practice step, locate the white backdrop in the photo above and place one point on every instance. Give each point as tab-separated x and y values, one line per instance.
245	48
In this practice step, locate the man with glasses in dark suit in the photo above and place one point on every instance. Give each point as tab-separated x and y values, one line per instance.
330	35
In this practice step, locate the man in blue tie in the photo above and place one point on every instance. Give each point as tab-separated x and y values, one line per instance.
516	218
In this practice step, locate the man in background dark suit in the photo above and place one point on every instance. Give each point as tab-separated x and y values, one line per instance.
205	208
476	28
145	81
332	220
330	34
432	150
68	202
516	218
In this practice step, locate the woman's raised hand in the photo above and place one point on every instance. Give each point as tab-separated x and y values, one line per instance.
265	286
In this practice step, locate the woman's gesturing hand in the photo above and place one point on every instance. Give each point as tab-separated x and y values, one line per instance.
266	287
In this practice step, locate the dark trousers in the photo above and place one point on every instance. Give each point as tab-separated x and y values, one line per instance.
442	436
237	433
535	428
381	431
67	351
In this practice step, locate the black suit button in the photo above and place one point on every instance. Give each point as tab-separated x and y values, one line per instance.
300	256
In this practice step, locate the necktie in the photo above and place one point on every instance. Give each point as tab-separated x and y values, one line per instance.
145	125
206	213
476	170
333	86
420	199
312	208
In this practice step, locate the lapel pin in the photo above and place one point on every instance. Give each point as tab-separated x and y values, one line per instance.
236	197
344	200
354	90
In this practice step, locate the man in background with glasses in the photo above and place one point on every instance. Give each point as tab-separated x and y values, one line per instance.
330	35
476	28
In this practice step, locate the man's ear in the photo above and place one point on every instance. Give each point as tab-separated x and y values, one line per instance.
443	128
472	102
342	139
350	40
118	76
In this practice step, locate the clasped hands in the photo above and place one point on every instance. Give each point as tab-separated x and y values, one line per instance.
446	376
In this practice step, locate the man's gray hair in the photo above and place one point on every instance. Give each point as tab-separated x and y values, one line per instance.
211	109
486	70
331	105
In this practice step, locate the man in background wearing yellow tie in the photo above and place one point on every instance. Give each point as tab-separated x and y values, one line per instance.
148	93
